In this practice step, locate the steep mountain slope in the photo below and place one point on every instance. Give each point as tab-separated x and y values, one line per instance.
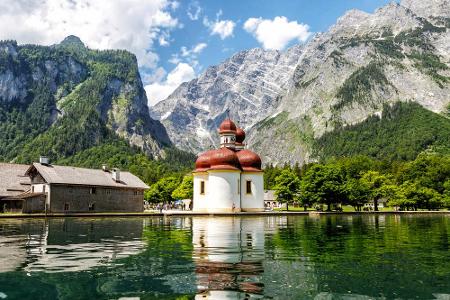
66	98
400	53
248	83
364	62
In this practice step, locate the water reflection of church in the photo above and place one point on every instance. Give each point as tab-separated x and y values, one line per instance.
228	256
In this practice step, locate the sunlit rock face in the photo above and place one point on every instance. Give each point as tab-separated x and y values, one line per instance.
338	78
247	85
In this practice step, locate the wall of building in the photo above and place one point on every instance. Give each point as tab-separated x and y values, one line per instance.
80	198
34	204
223	192
255	200
200	203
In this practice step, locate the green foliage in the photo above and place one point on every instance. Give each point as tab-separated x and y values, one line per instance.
404	131
411	196
323	184
377	186
162	190
68	117
359	86
286	186
423	183
428	170
431	65
185	190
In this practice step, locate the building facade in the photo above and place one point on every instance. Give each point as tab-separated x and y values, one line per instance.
62	189
228	179
13	183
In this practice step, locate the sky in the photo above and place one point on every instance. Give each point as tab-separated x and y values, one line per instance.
174	40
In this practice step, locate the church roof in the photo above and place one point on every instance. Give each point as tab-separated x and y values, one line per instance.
227	126
229	159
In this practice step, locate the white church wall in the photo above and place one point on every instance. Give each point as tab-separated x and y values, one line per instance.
200	201
255	200
223	191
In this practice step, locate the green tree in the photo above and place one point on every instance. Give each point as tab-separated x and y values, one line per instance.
357	193
323	184
287	186
430	170
185	190
412	196
446	195
162	190
379	186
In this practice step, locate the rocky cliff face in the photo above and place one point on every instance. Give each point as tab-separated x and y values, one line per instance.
66	98
362	63
288	100
248	86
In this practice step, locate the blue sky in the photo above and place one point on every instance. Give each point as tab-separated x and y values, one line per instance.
173	40
318	15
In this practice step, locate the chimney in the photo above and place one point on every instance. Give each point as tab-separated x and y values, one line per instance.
105	168
43	160
116	175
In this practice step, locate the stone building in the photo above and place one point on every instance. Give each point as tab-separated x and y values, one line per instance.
70	189
229	179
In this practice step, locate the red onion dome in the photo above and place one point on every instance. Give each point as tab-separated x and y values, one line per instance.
203	162
249	160
224	159
227	126
240	135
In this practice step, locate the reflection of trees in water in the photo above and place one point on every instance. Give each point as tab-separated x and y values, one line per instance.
280	257
400	256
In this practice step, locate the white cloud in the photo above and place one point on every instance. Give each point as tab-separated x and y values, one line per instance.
199	47
276	33
174	5
175	59
222	28
161	90
194	10
102	24
164	39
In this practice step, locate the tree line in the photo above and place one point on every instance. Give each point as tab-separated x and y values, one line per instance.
423	183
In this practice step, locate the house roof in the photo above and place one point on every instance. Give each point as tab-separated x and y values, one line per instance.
54	174
13	180
269	195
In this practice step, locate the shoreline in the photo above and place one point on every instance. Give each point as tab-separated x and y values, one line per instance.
197	214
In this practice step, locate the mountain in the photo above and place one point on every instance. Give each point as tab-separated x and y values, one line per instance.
248	85
294	103
64	99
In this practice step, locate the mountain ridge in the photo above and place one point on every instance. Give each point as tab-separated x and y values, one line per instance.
341	77
61	99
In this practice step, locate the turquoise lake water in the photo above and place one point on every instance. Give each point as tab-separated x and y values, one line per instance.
268	257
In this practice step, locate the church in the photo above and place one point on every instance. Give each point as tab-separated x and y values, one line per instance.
228	179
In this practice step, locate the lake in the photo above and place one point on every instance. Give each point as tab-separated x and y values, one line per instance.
383	256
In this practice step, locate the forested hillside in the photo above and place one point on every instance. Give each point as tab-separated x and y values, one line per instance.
79	106
401	132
